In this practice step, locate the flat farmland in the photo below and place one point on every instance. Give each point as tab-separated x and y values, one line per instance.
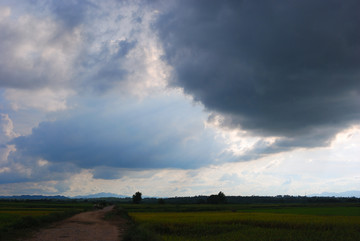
246	222
17	218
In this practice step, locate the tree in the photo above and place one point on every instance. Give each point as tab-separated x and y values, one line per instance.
217	199
137	197
221	197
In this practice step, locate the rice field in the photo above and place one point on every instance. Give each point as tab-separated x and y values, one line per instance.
288	223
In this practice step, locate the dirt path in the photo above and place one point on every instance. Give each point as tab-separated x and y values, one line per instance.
87	226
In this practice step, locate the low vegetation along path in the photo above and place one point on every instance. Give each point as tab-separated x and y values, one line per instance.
87	226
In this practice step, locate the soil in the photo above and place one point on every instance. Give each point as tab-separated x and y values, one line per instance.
87	226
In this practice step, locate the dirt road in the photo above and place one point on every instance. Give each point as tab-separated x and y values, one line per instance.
87	226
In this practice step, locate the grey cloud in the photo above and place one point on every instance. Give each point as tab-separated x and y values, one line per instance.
29	188
275	68
22	168
9	77
107	173
12	177
124	48
102	69
35	52
319	137
151	136
106	68
72	13
69	45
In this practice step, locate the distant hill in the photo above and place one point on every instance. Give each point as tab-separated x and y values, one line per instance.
100	195
58	197
338	194
33	197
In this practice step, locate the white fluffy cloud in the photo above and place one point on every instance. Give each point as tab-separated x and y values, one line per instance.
40	99
6	134
6	128
36	52
47	58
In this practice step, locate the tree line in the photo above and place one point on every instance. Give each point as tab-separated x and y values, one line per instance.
221	198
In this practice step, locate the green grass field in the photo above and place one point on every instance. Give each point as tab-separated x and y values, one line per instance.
17	218
248	222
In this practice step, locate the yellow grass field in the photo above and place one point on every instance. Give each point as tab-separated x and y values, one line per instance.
227	225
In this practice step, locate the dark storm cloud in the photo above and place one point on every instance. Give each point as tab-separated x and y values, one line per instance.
315	138
282	68
153	135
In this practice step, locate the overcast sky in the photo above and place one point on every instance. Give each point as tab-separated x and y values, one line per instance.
179	98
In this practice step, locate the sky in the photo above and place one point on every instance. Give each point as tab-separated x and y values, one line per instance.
179	97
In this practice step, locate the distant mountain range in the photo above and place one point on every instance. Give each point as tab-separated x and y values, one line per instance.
58	197
100	195
338	194
34	197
